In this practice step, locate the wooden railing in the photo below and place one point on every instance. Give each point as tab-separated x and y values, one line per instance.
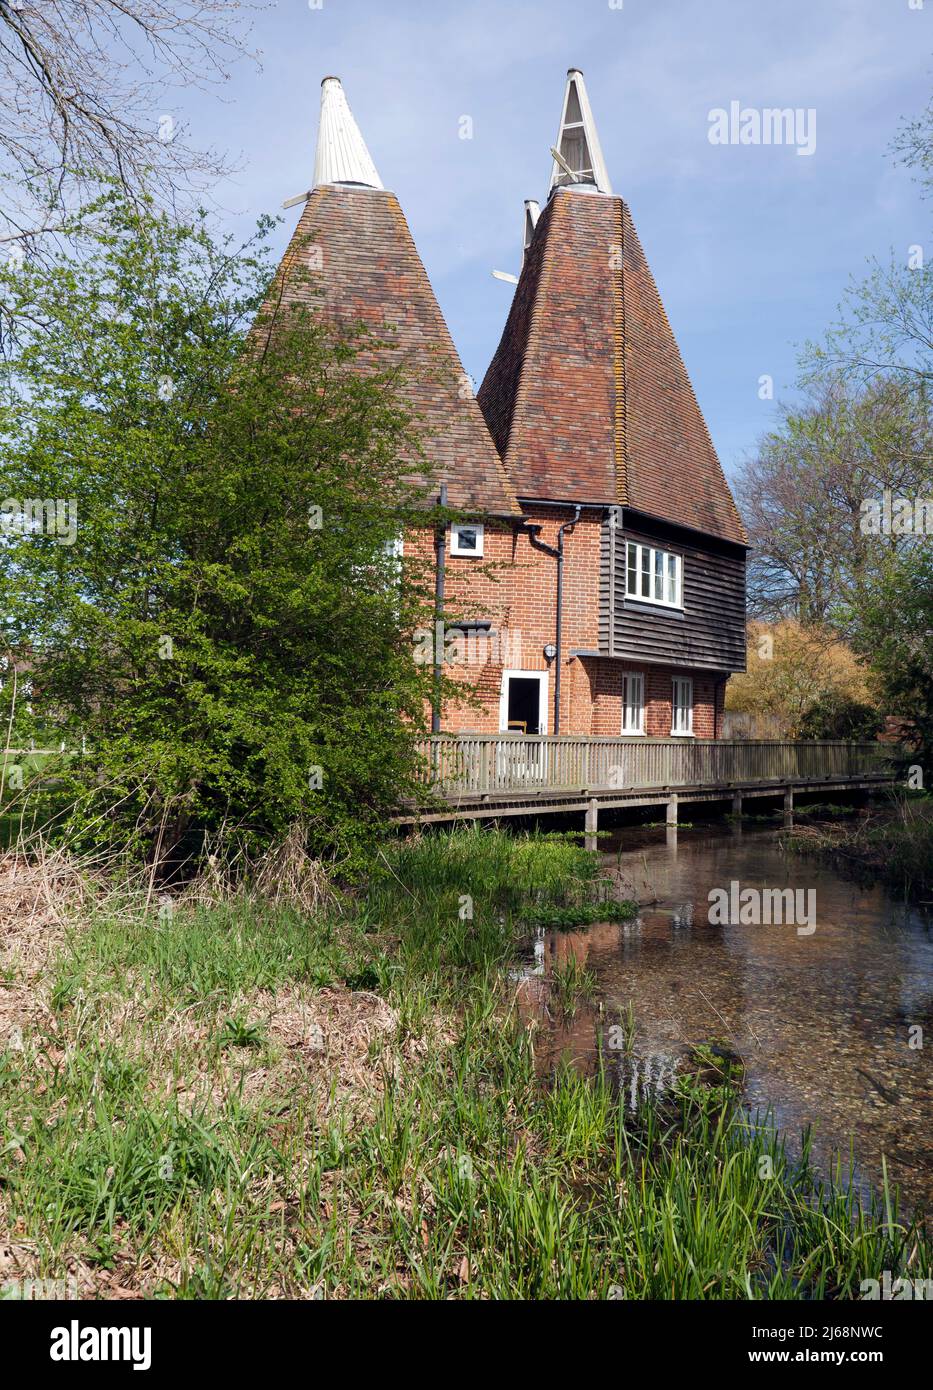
484	764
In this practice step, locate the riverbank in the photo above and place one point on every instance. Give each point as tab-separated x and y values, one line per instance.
892	844
243	1099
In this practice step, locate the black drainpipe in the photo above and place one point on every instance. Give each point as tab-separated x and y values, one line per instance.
557	553
440	542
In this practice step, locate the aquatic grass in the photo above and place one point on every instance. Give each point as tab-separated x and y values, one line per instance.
624	1030
463	900
472	1178
893	845
476	861
571	916
571	985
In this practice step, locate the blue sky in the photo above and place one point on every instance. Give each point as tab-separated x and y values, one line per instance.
751	246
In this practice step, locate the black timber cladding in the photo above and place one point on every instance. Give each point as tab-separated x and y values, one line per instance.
709	634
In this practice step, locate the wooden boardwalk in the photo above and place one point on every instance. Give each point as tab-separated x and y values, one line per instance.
485	775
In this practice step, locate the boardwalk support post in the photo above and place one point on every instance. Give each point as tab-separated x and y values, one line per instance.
591	823
672	810
737	803
789	809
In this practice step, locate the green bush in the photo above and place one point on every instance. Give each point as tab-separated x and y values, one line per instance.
834	716
229	632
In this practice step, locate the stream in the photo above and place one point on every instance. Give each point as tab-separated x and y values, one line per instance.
823	1020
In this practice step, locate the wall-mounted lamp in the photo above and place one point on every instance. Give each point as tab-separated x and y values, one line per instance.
550	652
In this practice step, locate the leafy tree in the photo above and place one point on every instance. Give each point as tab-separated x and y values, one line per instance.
884	330
893	629
913	147
227	627
866	427
809	679
885	327
836	716
803	493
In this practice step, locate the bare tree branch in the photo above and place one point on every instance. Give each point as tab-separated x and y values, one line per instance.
86	85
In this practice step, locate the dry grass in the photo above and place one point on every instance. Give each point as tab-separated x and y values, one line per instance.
894	844
288	876
39	894
317	1060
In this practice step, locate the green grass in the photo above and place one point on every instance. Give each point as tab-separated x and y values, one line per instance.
571	985
580	914
134	1139
206	953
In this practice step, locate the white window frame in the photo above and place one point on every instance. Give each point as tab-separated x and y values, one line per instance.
638	677
646	561
542	678
455	528
687	683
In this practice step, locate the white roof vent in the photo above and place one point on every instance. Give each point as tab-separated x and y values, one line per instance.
581	158
532	213
342	156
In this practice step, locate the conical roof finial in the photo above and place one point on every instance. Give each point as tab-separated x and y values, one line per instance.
581	158
342	156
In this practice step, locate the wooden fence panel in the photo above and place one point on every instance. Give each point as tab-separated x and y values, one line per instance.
493	764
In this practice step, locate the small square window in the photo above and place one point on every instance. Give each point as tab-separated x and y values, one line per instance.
466	538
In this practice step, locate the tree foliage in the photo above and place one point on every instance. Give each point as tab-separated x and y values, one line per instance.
229	632
862	437
893	629
803	494
809	679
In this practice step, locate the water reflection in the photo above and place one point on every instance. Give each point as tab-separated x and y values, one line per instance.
824	1023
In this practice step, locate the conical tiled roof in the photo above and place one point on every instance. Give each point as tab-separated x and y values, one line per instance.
362	267
587	396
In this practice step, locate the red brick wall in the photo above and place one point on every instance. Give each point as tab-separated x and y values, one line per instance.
606	686
515	587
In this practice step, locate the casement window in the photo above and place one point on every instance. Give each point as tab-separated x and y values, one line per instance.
682	706
654	576
466	538
633	702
